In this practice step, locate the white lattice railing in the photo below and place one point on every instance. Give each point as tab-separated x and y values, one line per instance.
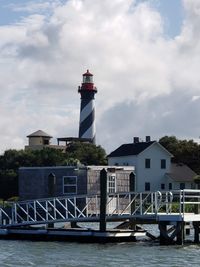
87	207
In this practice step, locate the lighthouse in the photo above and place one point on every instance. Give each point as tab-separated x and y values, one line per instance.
87	91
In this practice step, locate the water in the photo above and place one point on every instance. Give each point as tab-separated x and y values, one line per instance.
64	254
61	254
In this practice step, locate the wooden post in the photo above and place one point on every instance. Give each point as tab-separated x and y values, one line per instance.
180	233
163	233
132	189
177	236
51	190
196	231
103	199
51	185
197	206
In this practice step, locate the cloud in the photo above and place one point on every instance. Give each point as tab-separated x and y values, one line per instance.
145	79
159	116
195	97
32	6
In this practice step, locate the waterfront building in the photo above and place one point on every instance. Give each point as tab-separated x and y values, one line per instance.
43	182
153	167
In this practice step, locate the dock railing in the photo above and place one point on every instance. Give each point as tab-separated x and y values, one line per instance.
87	207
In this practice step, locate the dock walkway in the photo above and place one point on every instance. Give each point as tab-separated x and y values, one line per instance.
163	208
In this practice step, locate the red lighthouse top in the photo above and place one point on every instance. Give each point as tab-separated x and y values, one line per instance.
87	73
87	84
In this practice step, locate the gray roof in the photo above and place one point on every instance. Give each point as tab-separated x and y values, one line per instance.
39	133
181	173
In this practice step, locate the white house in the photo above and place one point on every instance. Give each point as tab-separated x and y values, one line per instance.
151	160
153	167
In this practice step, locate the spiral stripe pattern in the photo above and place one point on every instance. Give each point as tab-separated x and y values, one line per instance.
87	119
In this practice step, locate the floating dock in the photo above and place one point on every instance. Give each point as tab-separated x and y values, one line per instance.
70	235
172	211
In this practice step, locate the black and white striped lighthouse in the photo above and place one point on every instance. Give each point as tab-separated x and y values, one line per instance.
87	112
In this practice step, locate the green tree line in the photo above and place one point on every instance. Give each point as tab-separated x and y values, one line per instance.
184	151
12	160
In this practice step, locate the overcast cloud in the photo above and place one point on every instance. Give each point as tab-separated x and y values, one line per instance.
148	82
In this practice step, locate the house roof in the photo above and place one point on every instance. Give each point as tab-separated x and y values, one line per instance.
39	133
181	173
130	149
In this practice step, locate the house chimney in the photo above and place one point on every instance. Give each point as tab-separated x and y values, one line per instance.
148	138
136	140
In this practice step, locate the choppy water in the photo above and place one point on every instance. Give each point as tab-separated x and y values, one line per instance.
61	254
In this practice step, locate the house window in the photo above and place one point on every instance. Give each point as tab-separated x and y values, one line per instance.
182	186
70	184
170	186
112	183
162	186
147	186
147	163
163	163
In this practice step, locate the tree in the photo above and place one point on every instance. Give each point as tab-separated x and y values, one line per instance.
184	151
47	157
87	153
77	153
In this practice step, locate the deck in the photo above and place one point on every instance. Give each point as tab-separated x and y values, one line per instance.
164	208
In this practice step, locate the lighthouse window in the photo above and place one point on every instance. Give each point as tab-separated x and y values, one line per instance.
87	79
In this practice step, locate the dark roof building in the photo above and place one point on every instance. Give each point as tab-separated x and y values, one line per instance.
130	149
151	160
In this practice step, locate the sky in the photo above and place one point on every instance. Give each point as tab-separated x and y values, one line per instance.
144	54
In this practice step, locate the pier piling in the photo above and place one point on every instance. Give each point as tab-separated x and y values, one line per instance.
51	191
196	226
177	233
133	204
103	200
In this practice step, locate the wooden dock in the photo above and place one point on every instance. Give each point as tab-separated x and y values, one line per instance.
170	210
